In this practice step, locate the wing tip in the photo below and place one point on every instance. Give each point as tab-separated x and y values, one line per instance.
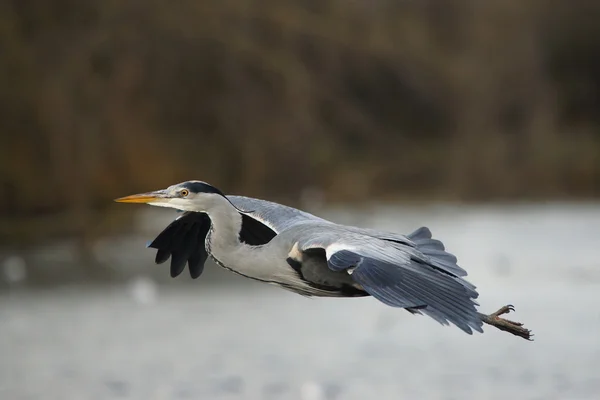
420	234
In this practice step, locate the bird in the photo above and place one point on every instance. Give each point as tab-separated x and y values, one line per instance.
315	257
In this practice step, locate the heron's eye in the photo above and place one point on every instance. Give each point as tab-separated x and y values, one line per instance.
184	193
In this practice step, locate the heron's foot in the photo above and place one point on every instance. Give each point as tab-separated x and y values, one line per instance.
516	328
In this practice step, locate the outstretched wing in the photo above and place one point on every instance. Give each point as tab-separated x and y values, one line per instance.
279	217
417	275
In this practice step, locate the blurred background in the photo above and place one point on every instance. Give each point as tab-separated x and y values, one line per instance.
478	119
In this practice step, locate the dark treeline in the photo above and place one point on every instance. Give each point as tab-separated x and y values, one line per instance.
468	100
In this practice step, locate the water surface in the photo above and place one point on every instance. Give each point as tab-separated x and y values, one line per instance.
237	339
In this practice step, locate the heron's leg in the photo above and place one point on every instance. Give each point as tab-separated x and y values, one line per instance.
516	328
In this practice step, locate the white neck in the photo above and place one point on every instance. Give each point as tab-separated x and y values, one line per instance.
226	223
224	245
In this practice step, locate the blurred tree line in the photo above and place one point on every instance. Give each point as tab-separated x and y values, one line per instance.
468	100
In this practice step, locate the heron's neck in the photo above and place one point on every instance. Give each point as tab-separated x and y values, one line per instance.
226	223
223	240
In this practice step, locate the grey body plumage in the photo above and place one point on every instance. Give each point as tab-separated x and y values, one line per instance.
312	256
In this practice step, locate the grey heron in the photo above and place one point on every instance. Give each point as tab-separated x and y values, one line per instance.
311	256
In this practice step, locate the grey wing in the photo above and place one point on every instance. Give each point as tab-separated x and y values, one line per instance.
420	278
276	216
433	249
279	217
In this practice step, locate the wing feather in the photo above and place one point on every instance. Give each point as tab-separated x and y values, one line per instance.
402	275
162	255
183	241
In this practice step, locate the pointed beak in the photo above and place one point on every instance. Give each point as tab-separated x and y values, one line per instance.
143	197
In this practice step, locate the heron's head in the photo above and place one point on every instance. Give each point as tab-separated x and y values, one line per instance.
187	196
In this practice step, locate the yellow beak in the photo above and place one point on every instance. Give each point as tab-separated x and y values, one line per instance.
140	198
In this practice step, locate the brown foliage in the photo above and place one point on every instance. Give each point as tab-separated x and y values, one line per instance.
454	99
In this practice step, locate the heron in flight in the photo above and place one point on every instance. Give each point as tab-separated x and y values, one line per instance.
311	256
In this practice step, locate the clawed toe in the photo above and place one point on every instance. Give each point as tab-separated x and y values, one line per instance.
516	328
504	310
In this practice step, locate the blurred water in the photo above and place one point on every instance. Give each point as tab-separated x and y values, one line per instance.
244	340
